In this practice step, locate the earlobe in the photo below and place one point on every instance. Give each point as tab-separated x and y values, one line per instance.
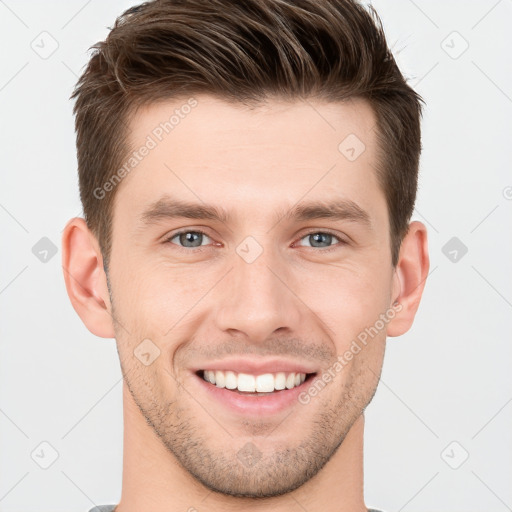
409	279
85	278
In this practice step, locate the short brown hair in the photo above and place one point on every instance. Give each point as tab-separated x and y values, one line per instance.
244	52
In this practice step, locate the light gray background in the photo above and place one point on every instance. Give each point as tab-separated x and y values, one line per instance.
448	379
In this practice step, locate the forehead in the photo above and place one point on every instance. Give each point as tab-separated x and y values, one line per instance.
213	123
206	149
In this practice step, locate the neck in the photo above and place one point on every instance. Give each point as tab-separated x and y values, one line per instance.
154	480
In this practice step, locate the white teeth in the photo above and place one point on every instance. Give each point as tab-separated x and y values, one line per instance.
220	380
231	380
290	381
266	383
280	380
246	382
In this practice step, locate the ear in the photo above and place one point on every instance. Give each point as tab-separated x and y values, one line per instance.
409	278
86	282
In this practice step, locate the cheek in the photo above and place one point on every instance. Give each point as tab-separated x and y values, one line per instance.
347	298
154	297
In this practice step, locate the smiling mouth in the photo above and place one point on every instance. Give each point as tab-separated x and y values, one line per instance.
254	385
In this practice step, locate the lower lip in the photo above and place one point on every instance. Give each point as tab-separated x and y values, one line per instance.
257	405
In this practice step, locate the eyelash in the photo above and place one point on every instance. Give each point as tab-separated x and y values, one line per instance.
200	249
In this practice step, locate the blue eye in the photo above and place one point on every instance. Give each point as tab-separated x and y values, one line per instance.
193	239
189	239
321	237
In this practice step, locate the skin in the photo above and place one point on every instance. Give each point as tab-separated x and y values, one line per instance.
295	301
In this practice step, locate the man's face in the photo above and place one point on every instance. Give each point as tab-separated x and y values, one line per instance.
261	286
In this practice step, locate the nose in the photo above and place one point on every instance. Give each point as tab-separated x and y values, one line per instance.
258	299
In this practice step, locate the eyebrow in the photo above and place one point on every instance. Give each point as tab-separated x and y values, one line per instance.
339	209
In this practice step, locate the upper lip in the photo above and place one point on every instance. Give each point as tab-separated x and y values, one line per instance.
254	367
